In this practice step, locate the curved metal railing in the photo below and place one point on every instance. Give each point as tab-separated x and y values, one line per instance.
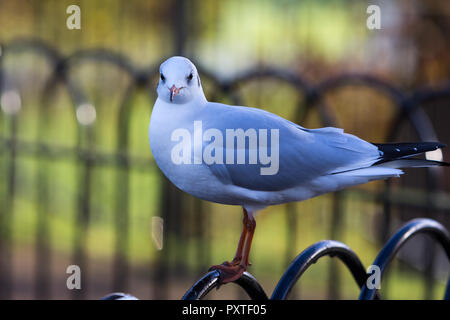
310	256
211	280
406	233
333	249
119	296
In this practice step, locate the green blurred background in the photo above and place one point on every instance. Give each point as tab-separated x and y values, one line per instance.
79	186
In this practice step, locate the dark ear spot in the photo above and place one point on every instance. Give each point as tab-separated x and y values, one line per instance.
198	80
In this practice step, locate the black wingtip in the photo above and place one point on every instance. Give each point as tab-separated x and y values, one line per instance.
392	151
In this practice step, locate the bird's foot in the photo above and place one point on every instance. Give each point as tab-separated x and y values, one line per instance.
229	272
234	262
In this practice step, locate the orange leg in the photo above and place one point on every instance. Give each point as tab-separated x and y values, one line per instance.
231	271
238	256
251	226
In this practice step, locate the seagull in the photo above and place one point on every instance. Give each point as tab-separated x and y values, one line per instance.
252	158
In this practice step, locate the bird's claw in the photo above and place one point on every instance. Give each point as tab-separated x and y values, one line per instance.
233	262
236	261
228	271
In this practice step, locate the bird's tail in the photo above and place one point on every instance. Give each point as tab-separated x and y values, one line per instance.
393	157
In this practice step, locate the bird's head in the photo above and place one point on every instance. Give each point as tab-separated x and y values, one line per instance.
179	81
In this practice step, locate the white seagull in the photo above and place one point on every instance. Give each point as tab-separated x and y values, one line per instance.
252	158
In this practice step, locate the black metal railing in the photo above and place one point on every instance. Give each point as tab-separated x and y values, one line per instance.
406	233
312	254
333	249
211	280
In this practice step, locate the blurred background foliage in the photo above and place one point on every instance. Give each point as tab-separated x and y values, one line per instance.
73	192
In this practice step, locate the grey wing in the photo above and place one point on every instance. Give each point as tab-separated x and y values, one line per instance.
303	154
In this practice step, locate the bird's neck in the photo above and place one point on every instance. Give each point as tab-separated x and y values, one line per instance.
201	99
175	110
195	104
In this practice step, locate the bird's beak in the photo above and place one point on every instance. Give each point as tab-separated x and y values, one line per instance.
173	92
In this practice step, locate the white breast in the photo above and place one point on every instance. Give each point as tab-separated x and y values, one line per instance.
195	179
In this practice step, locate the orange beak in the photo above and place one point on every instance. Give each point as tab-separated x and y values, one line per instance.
173	92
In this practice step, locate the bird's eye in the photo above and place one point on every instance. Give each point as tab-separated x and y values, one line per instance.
162	77
190	77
